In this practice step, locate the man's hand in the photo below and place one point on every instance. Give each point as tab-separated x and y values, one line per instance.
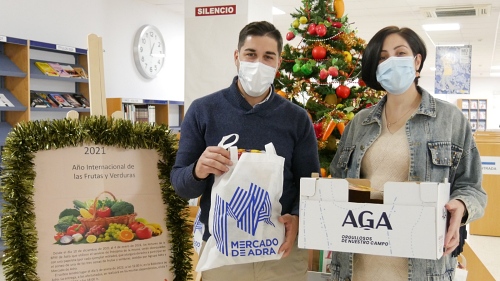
214	160
456	208
291	229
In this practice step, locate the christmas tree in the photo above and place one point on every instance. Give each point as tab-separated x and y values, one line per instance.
322	73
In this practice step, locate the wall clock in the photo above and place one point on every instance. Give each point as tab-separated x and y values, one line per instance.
149	51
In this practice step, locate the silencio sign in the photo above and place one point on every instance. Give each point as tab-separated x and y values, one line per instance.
215	10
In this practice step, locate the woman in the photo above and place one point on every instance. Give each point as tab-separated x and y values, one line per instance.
408	136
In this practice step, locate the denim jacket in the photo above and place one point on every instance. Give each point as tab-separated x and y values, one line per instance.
441	147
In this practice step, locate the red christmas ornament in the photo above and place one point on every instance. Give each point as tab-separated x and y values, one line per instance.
321	30
333	71
312	29
318	130
323	74
343	91
290	35
318	53
336	24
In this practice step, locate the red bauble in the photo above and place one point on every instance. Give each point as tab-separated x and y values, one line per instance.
321	30
323	74
318	130
343	91
333	71
336	24
312	29
290	35
319	53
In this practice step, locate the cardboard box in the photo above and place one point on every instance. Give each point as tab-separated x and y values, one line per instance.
318	276
411	222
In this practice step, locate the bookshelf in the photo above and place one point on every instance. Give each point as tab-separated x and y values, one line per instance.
14	83
475	110
41	83
19	75
165	112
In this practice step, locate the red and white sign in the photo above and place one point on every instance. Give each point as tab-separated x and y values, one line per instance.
215	10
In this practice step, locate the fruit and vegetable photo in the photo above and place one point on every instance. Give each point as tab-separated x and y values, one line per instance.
102	220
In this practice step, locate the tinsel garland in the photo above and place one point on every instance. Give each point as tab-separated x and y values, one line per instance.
18	221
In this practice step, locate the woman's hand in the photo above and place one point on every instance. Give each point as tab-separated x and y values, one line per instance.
456	208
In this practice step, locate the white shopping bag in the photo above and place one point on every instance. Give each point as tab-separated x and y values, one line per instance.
461	270
243	217
198	230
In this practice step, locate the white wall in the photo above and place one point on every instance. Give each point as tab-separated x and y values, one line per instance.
116	21
480	88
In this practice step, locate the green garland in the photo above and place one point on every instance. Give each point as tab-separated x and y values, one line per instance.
18	222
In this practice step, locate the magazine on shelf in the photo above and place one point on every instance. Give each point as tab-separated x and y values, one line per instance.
69	98
481	125
81	72
60	100
38	101
473	104
82	100
47	99
5	101
58	68
46	69
70	70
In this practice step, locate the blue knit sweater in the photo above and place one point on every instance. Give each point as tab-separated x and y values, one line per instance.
225	112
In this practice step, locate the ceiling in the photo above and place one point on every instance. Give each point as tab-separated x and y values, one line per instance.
369	16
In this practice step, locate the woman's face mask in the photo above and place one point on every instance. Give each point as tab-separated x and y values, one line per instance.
255	77
396	74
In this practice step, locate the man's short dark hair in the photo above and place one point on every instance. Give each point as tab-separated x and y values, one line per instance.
260	28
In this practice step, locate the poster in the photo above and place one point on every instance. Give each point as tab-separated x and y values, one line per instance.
453	69
89	174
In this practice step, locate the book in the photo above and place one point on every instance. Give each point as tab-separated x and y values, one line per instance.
58	68
70	70
60	100
82	100
81	72
46	69
37	101
6	101
48	99
141	113
152	114
69	98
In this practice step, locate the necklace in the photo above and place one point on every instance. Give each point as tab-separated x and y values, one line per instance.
389	124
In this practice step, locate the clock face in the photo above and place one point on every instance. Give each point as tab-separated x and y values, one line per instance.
149	51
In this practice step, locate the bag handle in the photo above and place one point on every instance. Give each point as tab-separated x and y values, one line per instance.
233	150
270	149
225	145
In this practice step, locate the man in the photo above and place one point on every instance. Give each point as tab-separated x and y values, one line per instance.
250	108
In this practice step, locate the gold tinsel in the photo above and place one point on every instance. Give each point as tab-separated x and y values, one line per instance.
350	40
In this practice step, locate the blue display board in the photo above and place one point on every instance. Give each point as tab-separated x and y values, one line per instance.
453	69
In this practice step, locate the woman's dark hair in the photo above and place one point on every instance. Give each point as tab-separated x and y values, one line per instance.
371	55
260	28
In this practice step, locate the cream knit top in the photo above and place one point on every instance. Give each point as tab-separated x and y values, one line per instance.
386	160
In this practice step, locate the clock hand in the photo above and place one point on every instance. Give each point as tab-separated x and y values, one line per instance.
151	48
